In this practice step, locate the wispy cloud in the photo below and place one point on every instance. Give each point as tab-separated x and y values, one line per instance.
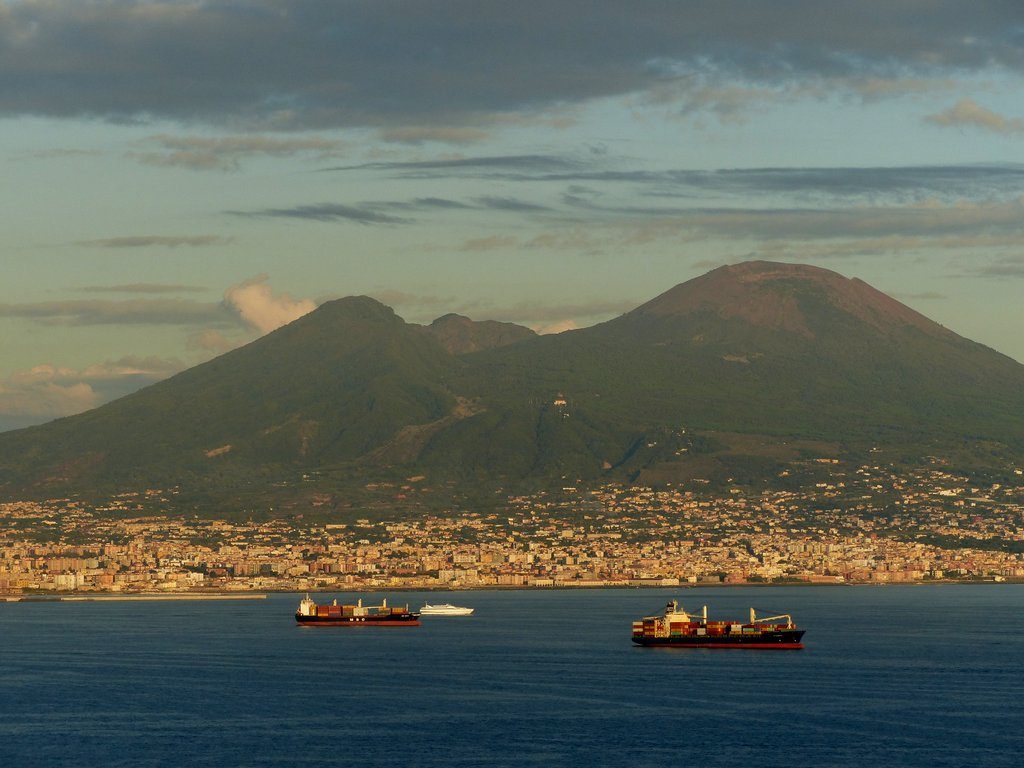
1008	266
385	211
920	296
424	134
817	250
226	153
927	219
967	113
729	99
213	341
535	314
396	298
908	182
60	153
438	202
510	204
489	243
327	212
46	391
801	234
182	312
539	314
160	241
141	288
586	175
486	166
252	305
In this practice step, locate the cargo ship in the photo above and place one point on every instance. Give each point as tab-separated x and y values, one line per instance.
676	628
358	615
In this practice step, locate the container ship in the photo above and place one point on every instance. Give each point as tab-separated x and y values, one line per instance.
676	628
358	615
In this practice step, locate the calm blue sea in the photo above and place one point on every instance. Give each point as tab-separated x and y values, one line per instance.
891	676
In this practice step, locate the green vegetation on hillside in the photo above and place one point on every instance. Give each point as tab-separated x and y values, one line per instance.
729	378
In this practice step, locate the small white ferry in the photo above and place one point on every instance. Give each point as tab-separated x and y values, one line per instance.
445	609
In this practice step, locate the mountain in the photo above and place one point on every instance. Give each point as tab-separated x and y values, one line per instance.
329	386
732	375
460	335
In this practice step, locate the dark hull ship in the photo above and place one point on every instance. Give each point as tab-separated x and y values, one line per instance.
676	628
358	615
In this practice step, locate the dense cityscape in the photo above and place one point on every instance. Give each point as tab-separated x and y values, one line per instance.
868	525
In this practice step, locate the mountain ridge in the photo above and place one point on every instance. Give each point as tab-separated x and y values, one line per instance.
721	375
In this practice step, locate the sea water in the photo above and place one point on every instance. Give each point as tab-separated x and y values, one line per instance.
890	676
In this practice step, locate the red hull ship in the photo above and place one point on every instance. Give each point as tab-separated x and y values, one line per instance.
678	629
358	615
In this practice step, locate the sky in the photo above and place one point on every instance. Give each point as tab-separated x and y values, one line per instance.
179	178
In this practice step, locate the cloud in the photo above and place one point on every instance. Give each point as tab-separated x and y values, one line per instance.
929	218
925	219
149	367
538	314
46	391
260	309
922	296
141	288
423	134
59	153
437	202
527	166
162	241
225	153
395	298
967	113
588	175
23	405
846	199
327	212
1009	266
554	317
708	93
304	64
729	103
802	234
888	244
383	212
489	243
710	263
127	312
877	88
595	239
251	304
557	327
210	340
841	182
510	204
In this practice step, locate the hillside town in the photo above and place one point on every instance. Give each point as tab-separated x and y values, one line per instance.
868	525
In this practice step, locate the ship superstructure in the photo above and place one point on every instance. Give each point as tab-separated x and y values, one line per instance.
358	615
678	629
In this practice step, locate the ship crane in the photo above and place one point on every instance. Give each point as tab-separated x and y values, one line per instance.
754	618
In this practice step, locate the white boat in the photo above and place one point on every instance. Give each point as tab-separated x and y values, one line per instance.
445	609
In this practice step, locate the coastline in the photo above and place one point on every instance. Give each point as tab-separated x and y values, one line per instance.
86	597
45	597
